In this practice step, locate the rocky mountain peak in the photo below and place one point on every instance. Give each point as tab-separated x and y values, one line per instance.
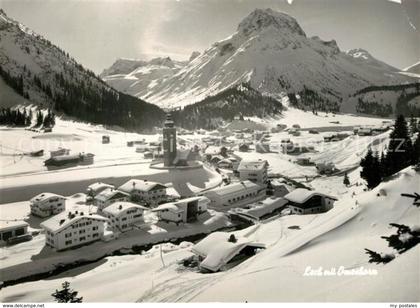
261	19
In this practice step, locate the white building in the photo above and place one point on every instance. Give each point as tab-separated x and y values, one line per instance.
185	210
254	171
123	215
96	188
304	201
11	229
70	229
47	204
143	190
236	194
109	196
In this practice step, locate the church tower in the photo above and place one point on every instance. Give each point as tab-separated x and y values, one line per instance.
169	141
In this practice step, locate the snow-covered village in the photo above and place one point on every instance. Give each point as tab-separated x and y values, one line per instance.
273	165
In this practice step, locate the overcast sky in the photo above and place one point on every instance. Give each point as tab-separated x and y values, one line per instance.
96	32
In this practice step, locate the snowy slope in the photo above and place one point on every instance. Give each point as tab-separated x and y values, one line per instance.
271	51
49	77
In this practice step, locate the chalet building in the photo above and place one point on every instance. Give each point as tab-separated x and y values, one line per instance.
236	194
228	163
277	188
325	168
109	196
12	229
70	160
182	211
304	201
47	204
143	190
304	161
59	152
71	229
254	171
96	188
124	215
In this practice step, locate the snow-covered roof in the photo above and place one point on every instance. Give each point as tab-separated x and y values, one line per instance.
117	208
301	195
140	185
180	205
99	186
109	193
12	224
64	219
44	196
234	188
170	207
261	208
217	250
254	165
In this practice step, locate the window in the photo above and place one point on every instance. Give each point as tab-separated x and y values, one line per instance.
94	228
95	235
83	238
124	219
68	242
67	235
82	231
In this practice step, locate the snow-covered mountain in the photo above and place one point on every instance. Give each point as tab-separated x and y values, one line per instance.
137	77
43	74
272	53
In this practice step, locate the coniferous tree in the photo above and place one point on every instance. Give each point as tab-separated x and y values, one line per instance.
66	295
416	150
399	154
371	169
39	119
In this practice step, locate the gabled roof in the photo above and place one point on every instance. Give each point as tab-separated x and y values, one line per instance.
180	205
301	195
44	196
233	188
254	165
63	220
118	208
109	193
170	207
217	250
98	186
140	185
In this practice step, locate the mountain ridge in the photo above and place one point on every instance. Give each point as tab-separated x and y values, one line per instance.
270	51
